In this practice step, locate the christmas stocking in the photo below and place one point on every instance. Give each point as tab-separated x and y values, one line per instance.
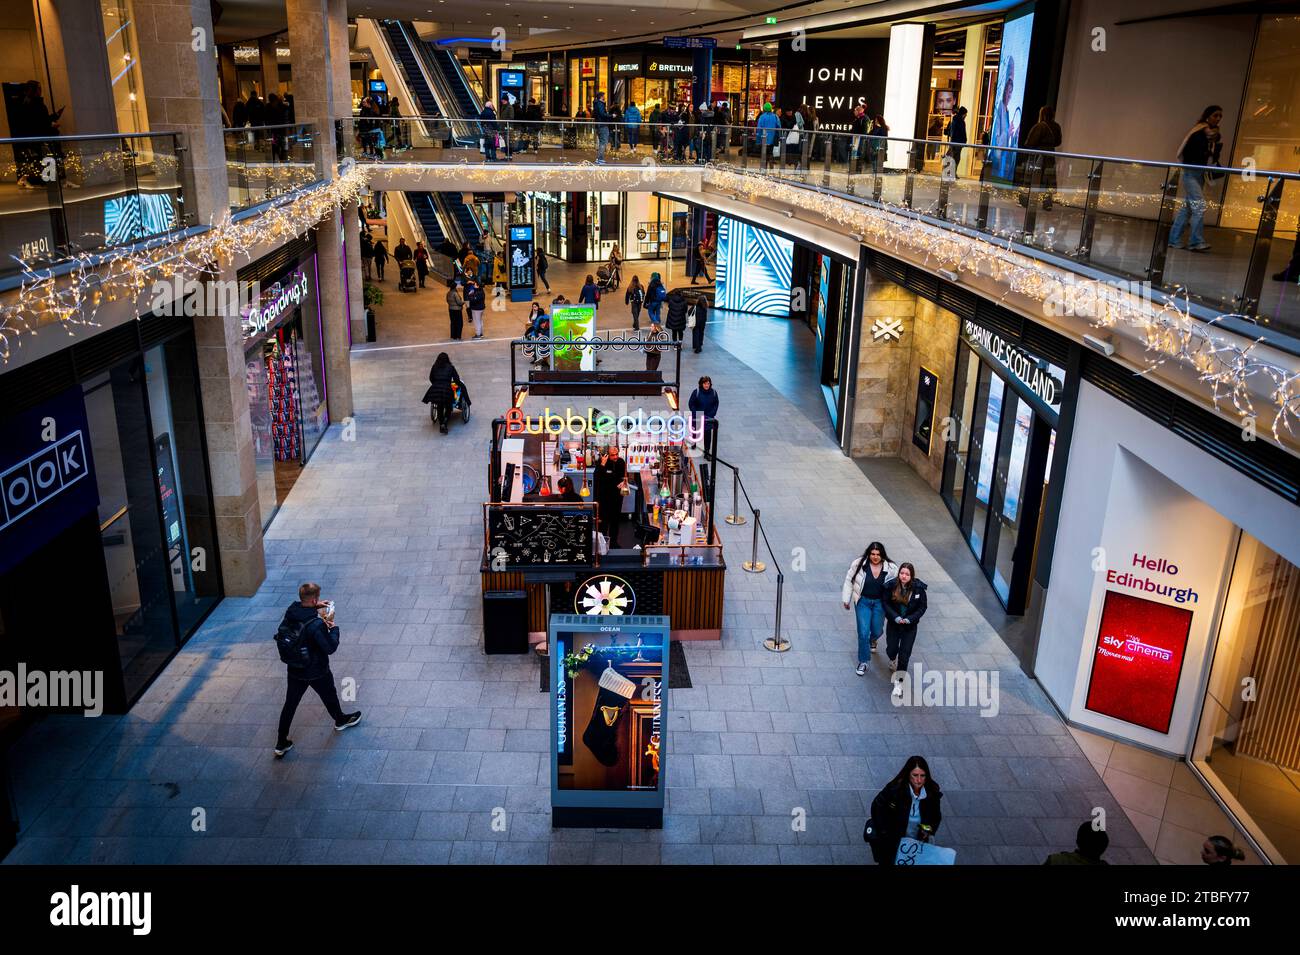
601	736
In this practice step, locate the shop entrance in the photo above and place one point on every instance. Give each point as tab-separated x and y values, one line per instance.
995	473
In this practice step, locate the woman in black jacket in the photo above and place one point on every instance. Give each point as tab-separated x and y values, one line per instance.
907	806
676	320
905	604
701	319
441	376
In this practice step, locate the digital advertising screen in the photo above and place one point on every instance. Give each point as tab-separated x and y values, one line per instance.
754	269
1138	660
572	322
609	696
520	256
1007	117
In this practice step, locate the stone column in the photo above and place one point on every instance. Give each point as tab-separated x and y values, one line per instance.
322	92
80	74
972	82
883	363
180	85
270	66
227	72
356	290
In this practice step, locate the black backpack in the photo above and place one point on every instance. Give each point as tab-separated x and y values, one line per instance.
293	642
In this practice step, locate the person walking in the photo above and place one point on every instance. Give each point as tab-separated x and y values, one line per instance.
653	350
704	402
507	115
610	480
381	258
676	321
543	263
1201	147
864	593
469	264
442	375
905	605
421	262
455	309
632	126
1089	844
767	132
655	294
1045	136
600	113
634	298
590	293
306	639
403	251
907	807
367	253
878	144
476	298
957	138
488	119
697	316
1220	851
701	262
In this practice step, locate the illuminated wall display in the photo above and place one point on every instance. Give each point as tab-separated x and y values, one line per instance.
572	322
609	700
520	256
833	77
1008	120
754	269
1138	660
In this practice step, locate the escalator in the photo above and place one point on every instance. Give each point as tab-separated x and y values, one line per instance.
425	210
466	223
406	57
445	62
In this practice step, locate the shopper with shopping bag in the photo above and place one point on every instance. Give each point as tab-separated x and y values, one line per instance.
906	811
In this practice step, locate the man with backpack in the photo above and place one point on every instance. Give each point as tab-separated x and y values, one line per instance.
306	639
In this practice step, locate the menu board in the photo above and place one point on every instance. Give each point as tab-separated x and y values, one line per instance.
541	536
520	253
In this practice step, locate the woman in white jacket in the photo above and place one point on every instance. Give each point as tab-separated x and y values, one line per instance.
864	591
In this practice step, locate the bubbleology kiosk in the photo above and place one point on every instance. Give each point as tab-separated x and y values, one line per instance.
541	553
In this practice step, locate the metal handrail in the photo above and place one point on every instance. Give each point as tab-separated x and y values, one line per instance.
84	137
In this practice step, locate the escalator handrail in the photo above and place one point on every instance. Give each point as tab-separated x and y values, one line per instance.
413	49
460	128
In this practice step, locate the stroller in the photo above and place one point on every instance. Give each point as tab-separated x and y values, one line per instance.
406	276
609	277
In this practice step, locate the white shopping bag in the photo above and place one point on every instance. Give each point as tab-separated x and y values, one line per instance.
914	852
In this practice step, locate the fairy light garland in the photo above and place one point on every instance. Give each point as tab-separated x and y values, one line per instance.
1168	330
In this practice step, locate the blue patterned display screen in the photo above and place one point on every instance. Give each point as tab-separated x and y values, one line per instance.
754	269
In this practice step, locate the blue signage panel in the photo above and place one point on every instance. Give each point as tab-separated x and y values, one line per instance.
47	477
519	255
690	42
609	712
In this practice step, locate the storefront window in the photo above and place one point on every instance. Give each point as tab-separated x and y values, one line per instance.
189	531
1248	742
130	523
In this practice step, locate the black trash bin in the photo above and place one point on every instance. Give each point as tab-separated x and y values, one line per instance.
370	324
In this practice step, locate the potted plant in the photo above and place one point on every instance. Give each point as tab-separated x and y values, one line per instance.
371	295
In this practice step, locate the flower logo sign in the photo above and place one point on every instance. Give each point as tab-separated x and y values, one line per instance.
605	595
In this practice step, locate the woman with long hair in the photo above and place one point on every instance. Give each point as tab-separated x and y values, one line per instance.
864	593
908	807
905	604
441	378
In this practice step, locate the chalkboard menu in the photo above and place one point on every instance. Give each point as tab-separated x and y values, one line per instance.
545	535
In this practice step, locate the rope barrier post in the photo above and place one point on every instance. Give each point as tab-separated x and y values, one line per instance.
735	517
776	643
754	565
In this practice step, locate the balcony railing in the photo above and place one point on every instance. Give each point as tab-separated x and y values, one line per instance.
68	196
1107	216
263	162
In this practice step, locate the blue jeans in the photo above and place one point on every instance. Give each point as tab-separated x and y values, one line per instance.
602	142
632	135
871	623
1193	183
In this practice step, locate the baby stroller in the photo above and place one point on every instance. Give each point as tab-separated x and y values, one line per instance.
609	277
406	276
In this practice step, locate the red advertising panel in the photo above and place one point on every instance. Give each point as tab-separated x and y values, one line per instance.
1139	657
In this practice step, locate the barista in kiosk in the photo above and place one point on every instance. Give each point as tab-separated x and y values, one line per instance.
566	493
611	485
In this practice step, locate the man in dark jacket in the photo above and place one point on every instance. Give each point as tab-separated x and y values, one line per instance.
956	137
314	624
701	306
676	320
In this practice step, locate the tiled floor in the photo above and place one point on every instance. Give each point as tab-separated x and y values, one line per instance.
1162	798
390	524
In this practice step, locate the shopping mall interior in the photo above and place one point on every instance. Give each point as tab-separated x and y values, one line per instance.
580	355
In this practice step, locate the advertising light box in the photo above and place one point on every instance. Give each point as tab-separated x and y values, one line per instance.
609	699
573	322
1138	660
520	253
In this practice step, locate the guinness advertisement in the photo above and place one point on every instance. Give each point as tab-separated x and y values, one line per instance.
669	67
833	77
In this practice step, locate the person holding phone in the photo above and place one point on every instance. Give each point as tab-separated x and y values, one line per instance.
908	806
905	604
611	486
309	636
